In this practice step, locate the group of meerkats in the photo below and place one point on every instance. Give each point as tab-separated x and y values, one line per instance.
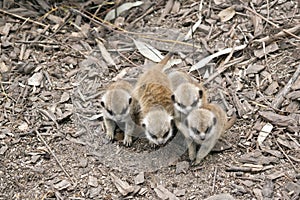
161	102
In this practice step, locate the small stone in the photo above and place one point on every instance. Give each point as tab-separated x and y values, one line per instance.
139	179
179	193
3	149
221	197
94	192
64	184
93	181
36	79
254	69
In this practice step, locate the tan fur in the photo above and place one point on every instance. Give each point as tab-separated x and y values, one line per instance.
153	94
118	110
177	78
204	126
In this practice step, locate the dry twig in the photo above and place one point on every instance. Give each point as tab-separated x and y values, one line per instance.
221	68
281	95
23	18
52	153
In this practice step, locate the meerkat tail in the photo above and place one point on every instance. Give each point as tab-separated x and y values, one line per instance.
164	61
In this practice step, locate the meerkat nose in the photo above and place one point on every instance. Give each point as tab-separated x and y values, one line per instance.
202	136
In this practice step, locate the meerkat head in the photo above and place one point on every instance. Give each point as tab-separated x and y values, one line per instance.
186	97
158	126
116	104
201	124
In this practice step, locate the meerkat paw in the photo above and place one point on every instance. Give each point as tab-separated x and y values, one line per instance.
110	135
192	155
127	140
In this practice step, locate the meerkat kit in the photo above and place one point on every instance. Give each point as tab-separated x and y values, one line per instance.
160	102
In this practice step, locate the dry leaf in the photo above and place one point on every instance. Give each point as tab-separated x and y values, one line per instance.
126	6
226	14
105	54
148	51
195	26
36	79
263	134
206	60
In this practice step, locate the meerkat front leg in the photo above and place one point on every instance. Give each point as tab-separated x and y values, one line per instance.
110	128
205	148
191	148
129	129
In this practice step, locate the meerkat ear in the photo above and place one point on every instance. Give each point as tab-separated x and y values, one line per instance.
200	93
130	100
173	97
102	104
215	120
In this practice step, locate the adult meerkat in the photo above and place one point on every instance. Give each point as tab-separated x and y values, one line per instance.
204	126
187	94
153	93
118	110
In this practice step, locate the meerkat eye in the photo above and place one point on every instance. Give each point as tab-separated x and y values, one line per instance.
208	129
130	100
196	131
153	136
143	125
181	105
110	111
194	104
173	97
102	104
165	134
200	93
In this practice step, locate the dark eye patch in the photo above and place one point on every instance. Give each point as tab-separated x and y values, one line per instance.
208	129
181	105
109	111
194	104
196	131
166	134
153	136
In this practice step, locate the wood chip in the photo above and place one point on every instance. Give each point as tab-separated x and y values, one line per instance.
122	186
253	69
277	119
164	194
276	175
269	49
296	85
224	196
64	184
272	88
140	178
258	194
292	187
179	193
263	134
92	181
268	190
226	14
36	79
